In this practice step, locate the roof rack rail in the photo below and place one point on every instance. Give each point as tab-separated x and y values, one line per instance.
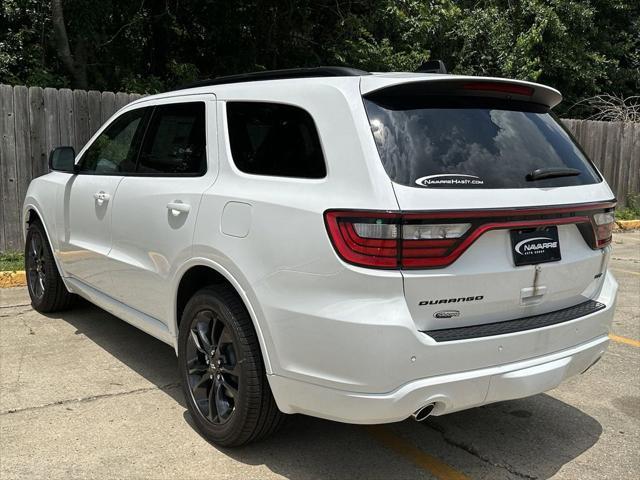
279	75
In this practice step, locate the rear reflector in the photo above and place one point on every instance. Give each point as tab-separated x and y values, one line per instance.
394	240
499	87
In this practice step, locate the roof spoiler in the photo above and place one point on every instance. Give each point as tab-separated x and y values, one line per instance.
518	90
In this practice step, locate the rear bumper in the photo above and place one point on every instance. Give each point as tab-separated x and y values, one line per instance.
449	393
547	356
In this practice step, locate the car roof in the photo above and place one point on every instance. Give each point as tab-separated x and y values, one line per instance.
369	82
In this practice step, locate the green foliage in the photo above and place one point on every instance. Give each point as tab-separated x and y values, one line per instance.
140	83
11	261
632	210
582	47
23	44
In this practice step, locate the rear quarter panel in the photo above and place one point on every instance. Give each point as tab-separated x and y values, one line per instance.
286	259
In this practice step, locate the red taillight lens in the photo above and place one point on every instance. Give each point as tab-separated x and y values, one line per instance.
388	240
425	243
603	224
417	240
368	239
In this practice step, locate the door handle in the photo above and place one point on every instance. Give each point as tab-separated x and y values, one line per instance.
176	208
101	197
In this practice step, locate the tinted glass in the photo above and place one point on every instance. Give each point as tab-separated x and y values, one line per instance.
274	139
175	142
453	143
116	149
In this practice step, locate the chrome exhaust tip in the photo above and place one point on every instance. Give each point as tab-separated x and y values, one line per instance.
423	412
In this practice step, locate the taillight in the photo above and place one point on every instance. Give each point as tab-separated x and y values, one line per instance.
414	240
603	227
390	240
368	239
424	243
434	231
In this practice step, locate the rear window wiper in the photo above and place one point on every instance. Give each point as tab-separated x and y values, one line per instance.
541	173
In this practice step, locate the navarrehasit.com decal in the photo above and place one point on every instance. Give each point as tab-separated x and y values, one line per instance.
450	180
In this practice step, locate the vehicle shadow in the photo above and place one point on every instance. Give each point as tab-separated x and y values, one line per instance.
532	437
152	359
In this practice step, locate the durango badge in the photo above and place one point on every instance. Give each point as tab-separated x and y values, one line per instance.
449	180
473	298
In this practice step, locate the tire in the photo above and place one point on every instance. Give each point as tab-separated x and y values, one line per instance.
226	389
46	288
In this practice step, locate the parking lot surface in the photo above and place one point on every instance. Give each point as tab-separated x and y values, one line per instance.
85	395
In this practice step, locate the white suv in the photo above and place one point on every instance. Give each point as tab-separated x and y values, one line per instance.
353	246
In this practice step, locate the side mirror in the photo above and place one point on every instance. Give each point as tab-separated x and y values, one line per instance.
62	159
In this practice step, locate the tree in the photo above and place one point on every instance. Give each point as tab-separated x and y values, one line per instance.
583	47
75	65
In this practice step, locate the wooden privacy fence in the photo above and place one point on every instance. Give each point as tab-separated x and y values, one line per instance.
614	147
34	120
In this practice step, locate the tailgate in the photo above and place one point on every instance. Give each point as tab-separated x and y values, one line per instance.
502	215
484	285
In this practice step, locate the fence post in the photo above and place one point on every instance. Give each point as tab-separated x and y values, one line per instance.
8	172
24	169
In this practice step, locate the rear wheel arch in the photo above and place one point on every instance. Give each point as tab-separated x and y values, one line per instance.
203	273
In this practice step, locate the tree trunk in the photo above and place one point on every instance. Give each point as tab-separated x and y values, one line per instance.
61	41
159	43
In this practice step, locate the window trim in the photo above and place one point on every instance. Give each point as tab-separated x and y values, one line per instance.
229	153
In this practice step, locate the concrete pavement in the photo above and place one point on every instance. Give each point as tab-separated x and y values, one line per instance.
85	395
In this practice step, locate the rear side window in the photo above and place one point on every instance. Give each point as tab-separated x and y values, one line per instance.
440	142
274	139
175	142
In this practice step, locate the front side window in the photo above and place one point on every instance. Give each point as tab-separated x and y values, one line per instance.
116	149
175	142
274	139
441	142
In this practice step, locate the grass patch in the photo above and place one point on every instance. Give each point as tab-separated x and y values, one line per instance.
11	261
628	213
631	211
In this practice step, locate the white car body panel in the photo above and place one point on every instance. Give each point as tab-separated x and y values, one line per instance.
84	228
151	239
339	341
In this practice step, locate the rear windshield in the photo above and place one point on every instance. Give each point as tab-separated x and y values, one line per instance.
439	142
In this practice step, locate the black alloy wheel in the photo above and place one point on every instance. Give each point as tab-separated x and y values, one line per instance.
35	265
212	363
223	376
46	288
